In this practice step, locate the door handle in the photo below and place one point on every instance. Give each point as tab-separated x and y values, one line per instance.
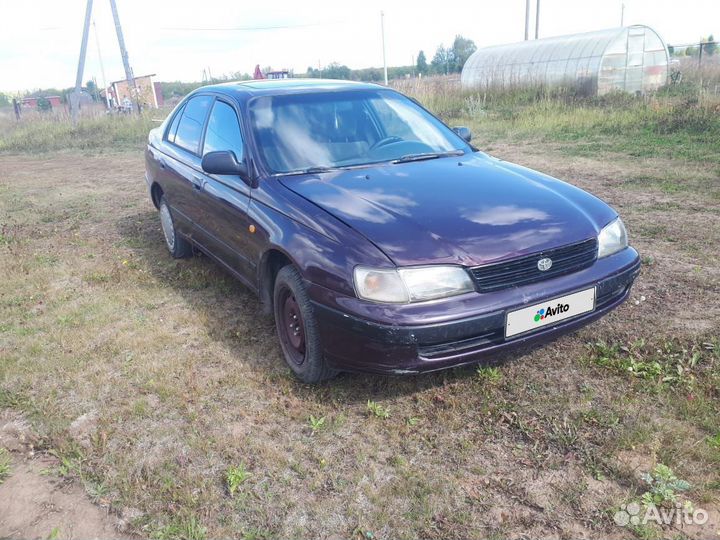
162	163
197	182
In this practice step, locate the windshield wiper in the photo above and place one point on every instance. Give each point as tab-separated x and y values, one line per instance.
427	155
310	170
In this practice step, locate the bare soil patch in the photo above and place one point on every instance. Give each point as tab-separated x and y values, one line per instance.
34	503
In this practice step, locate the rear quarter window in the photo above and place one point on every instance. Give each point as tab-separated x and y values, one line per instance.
173	127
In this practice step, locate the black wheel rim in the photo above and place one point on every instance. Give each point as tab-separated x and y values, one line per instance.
291	327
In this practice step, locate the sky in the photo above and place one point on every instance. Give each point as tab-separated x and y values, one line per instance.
40	40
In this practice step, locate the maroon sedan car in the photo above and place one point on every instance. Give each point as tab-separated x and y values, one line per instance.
379	238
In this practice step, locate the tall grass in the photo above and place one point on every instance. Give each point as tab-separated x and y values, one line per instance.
43	133
681	121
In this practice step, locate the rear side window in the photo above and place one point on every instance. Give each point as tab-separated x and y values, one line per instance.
223	131
173	127
189	130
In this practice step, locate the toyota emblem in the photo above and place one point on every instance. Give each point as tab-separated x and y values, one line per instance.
544	264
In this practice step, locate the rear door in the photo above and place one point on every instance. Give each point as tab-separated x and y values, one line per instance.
181	163
226	198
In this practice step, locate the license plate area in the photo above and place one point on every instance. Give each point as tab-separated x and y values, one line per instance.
549	312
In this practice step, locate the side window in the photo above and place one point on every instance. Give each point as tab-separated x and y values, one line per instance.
223	131
189	130
173	127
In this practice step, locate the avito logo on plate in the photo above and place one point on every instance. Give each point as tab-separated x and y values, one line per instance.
544	313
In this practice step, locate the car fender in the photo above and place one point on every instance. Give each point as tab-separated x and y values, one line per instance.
324	250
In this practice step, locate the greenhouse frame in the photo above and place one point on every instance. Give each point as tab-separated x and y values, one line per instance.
632	59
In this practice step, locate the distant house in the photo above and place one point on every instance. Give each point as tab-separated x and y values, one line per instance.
149	93
32	102
282	74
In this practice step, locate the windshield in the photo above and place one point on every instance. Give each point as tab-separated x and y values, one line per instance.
297	132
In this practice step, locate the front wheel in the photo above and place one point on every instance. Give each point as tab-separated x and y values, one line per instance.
297	328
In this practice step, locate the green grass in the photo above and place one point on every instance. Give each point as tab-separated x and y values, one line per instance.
5	464
181	528
377	410
672	124
668	363
643	129
101	133
678	125
235	477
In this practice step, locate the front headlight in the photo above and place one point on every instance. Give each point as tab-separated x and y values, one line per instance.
612	238
404	285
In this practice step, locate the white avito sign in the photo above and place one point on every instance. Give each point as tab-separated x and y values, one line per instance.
549	312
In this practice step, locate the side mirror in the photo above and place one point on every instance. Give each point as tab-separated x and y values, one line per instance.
223	162
464	133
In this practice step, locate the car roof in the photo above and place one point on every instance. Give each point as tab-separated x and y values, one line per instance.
244	90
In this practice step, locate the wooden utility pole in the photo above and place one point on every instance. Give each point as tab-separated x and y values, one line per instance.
537	19
700	51
75	96
129	77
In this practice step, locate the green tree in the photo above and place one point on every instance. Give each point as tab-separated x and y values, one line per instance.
92	89
43	104
422	65
461	50
369	74
443	61
4	100
709	46
337	71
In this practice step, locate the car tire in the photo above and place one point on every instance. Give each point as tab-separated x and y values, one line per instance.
297	328
178	246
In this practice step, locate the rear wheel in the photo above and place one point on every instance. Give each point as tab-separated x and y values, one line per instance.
297	328
178	247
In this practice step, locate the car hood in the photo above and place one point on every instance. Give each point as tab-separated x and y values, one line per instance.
470	210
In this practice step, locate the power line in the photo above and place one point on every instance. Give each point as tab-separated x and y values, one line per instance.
102	67
252	28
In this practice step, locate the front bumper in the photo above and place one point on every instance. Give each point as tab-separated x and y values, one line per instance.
401	339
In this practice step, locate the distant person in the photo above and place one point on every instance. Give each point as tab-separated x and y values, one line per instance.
16	108
127	105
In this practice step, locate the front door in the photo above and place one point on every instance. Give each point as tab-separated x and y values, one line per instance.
225	198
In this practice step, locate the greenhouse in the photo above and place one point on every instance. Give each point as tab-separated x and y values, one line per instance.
632	59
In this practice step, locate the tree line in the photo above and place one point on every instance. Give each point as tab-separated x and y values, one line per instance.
446	60
708	45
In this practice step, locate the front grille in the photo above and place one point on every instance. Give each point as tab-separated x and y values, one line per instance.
524	270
